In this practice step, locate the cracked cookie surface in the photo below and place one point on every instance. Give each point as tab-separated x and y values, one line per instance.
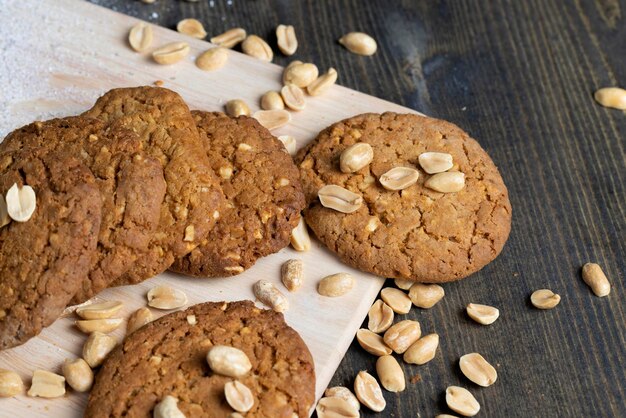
417	233
168	357
168	133
44	260
130	182
263	195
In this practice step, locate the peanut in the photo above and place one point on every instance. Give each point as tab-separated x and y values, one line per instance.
291	274
359	43
426	295
269	295
390	374
228	361
78	374
335	285
596	279
461	401
10	384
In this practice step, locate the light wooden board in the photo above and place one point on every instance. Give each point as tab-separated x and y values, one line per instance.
59	56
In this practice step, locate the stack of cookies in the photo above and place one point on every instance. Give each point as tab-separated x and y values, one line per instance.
134	186
140	184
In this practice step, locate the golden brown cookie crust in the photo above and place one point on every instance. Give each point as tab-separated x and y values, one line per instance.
130	182
263	196
421	235
44	260
168	357
168	133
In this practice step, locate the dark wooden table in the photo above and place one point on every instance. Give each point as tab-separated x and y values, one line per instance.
519	76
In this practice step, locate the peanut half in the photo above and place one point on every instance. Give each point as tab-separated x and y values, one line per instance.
340	199
596	279
289	142
380	317
403	284
399	178
238	396
165	297
426	295
368	392
140	37
256	47
291	274
167	408
286	39
336	407
191	27
461	401
272	100
102	325
269	295
478	370
78	374
100	310
171	53
228	361
372	343
11	384
293	97
345	394
423	350
335	285
272	119
46	384
396	299
237	107
448	182
212	59
300	239
322	83
97	348
355	157
544	299
230	38
359	43
402	335
435	162
138	319
21	202
301	74
483	314
390	374
614	97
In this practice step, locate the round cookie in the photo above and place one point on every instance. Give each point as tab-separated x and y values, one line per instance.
44	260
168	357
263	196
193	198
415	234
131	184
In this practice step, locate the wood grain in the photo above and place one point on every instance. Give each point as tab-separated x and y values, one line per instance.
519	76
